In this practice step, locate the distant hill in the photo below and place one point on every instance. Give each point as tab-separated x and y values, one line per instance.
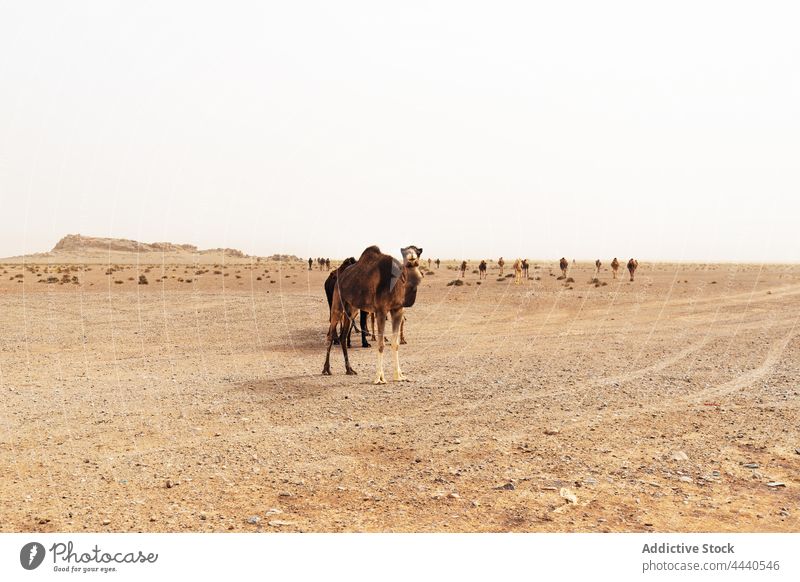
76	243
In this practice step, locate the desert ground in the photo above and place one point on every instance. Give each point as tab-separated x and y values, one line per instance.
195	402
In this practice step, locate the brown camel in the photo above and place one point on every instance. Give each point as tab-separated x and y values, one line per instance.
438	262
633	264
463	268
501	263
330	284
597	265
563	264
614	267
379	284
482	270
517	272
525	267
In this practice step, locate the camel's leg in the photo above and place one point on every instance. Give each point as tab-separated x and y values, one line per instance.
363	323
402	335
347	326
372	325
381	321
397	325
326	369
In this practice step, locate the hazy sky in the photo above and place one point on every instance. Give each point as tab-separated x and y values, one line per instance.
663	130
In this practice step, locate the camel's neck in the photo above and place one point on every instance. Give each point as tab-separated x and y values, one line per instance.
410	287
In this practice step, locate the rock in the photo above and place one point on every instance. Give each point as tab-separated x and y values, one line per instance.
169	484
476	503
568	494
153	518
253	519
680	456
279	523
106	522
507	487
285	494
203	515
273	511
751	465
454	496
686	479
797	451
552	431
776	484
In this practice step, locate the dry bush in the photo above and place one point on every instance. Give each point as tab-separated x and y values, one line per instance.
456	282
142	280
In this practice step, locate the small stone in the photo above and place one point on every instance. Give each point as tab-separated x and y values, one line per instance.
680	456
106	522
776	484
153	518
751	465
253	519
552	431
686	479
216	434
279	523
568	494
476	503
273	511
169	484
454	496
203	515
285	494
507	487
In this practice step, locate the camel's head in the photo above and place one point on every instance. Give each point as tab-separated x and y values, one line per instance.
411	255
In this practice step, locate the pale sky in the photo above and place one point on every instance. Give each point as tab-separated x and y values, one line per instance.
664	131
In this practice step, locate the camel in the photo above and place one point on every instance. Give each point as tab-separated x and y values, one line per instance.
463	268
597	265
517	272
482	270
501	263
437	263
525	267
310	262
429	263
563	265
327	263
633	264
379	284
614	267
330	284
402	329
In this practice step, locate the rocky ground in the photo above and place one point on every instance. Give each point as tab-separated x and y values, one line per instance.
195	402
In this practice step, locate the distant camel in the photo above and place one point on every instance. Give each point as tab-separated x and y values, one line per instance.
463	268
563	265
437	263
321	263
429	264
597	265
482	270
501	263
633	264
330	284
525	267
327	263
381	285
615	267
310	262
517	272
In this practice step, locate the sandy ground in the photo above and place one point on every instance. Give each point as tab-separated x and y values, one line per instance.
196	403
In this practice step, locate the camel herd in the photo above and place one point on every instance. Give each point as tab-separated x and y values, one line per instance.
378	286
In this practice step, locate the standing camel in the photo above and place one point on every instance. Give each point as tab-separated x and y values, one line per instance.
501	263
633	264
310	262
438	262
517	272
463	268
525	267
330	284
381	285
597	265
563	264
429	263
482	270
614	267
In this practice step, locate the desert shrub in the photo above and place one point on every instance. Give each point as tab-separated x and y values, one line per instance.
118	282
570	280
456	282
142	280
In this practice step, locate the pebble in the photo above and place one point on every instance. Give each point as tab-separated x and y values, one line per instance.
751	465
169	484
680	456
507	487
253	519
454	496
686	479
776	484
552	431
279	523
569	495
106	522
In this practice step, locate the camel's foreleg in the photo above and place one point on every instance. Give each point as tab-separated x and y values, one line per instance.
381	322
397	324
